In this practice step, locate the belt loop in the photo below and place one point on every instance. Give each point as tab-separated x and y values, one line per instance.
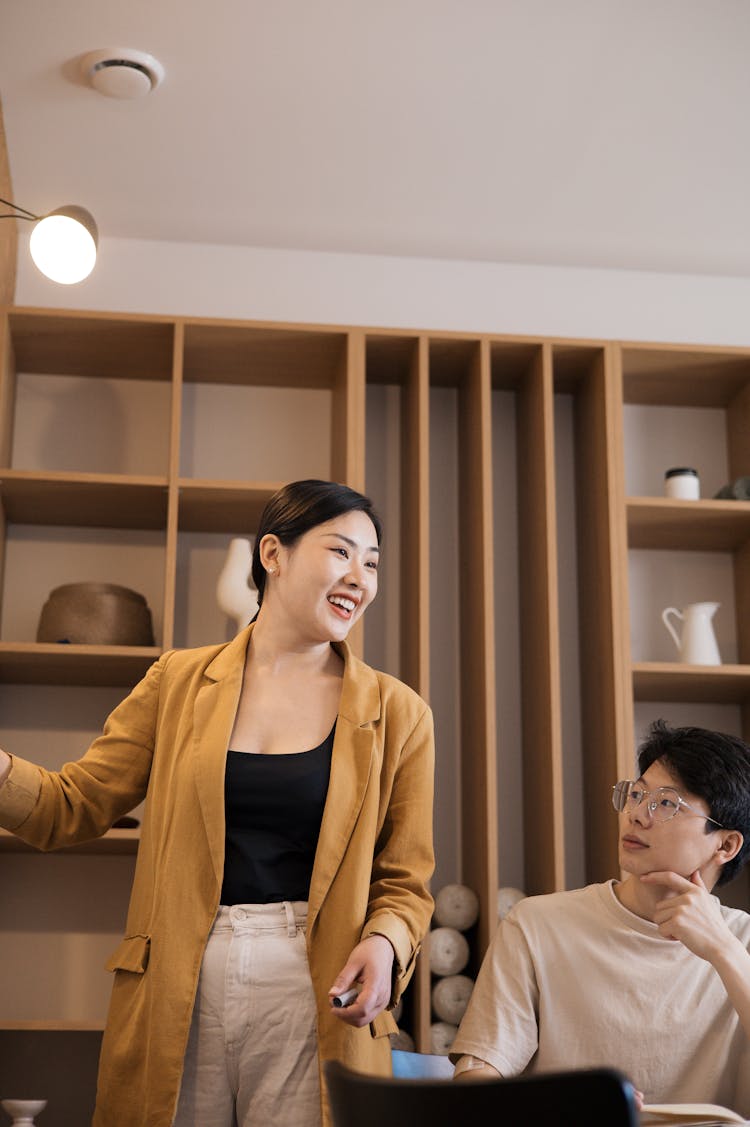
291	923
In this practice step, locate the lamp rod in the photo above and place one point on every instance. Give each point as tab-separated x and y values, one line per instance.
24	213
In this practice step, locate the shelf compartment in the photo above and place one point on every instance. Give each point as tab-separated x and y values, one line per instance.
90	344
48	663
83	499
713	526
114	841
262	355
222	506
683	376
667	681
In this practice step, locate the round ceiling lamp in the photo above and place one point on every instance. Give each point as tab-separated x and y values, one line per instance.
121	72
63	244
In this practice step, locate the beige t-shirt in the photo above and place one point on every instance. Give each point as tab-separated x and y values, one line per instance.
575	980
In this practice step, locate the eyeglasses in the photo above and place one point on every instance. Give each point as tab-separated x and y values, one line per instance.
662	803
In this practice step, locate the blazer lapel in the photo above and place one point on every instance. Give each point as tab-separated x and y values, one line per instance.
213	718
350	772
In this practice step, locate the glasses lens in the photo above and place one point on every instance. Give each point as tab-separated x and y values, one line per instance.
664	804
620	792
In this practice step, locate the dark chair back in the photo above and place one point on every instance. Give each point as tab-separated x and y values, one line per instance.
583	1098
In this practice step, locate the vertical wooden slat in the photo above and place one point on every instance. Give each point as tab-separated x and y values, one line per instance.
742	604
7	398
606	684
540	650
8	229
738	443
738	434
476	586
173	490
415	572
415	595
348	435
7	389
348	415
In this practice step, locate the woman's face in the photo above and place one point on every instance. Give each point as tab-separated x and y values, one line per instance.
327	579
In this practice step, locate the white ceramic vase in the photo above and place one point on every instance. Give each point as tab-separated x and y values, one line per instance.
234	595
22	1112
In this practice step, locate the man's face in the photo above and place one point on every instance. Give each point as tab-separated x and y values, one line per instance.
680	845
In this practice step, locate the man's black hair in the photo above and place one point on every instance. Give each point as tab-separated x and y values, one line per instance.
713	766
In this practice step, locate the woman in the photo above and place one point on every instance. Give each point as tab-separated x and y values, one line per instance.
285	847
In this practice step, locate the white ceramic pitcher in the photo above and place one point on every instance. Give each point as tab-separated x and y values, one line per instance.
697	645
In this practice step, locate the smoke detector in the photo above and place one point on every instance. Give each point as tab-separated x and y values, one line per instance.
121	72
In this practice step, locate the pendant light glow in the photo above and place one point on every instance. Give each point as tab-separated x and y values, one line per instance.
63	244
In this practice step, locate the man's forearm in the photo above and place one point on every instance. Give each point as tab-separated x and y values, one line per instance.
5	763
733	967
472	1068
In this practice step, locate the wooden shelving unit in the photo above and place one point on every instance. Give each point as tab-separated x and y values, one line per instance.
75	499
683	378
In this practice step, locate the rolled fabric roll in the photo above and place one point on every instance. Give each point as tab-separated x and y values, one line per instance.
450	997
442	1035
449	951
506	898
456	905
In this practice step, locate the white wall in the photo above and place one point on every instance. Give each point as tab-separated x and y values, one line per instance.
257	284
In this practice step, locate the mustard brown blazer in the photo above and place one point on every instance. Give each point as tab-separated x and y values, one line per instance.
167	742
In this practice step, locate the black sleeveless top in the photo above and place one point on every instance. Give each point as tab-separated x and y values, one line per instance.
274	807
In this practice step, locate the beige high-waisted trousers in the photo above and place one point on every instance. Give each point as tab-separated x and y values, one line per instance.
252	1059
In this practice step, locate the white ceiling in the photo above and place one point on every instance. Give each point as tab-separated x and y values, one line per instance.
575	132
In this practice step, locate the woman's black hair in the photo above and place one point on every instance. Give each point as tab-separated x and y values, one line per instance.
713	766
301	505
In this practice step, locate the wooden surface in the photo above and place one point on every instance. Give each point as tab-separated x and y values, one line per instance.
48	663
606	704
723	684
117	346
263	355
115	841
703	526
84	499
415	588
8	227
540	646
415	533
477	644
683	376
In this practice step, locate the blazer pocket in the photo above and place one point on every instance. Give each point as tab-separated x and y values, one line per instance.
132	954
383	1025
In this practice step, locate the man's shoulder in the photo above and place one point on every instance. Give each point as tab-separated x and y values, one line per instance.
549	908
738	922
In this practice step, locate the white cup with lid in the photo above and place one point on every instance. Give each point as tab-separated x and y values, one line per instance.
682	483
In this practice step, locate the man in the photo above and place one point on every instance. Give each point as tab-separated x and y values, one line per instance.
650	974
